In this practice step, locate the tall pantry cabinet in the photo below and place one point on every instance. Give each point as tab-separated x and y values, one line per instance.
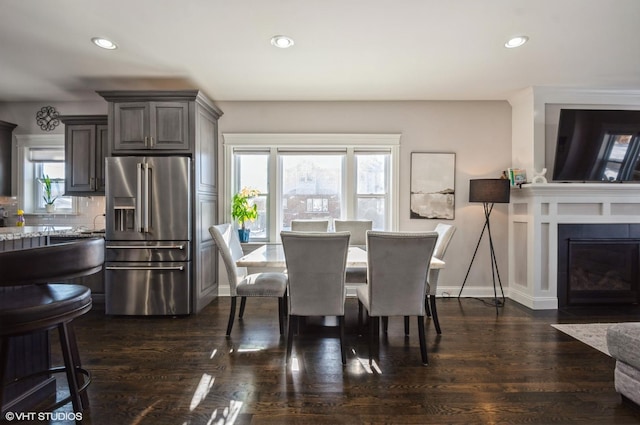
182	123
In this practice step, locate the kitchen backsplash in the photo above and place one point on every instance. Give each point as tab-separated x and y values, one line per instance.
90	214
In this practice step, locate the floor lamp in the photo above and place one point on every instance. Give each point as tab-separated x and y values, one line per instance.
489	192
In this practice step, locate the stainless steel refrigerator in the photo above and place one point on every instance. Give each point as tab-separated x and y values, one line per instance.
148	236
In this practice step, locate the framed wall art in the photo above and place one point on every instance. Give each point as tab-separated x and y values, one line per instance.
433	185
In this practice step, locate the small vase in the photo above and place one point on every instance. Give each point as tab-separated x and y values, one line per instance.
243	234
50	207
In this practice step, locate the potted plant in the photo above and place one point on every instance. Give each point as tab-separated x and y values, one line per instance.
243	211
48	197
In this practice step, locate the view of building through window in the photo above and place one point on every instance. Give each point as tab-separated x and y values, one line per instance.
314	185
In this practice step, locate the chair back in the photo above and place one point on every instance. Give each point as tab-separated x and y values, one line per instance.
310	225
445	233
357	228
226	239
51	263
316	264
398	265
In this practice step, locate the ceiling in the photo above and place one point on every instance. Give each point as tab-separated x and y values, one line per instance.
344	49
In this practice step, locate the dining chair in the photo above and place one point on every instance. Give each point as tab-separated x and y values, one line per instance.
445	234
316	265
358	230
398	265
242	284
309	225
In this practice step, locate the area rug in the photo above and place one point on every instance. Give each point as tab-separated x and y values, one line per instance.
592	334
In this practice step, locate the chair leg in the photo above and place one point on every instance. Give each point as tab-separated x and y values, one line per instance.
342	349
280	314
359	317
434	312
293	322
70	368
385	324
406	325
232	314
243	303
426	305
75	356
423	341
374	322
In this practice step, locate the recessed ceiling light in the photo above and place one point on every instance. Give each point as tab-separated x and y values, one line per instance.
282	41
104	43
516	41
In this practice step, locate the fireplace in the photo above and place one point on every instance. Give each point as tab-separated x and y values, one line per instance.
598	264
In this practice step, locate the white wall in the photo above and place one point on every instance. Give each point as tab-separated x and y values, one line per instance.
478	132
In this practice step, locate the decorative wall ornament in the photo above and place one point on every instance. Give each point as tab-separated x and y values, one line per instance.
47	118
433	185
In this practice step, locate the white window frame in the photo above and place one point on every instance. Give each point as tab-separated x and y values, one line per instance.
23	174
276	142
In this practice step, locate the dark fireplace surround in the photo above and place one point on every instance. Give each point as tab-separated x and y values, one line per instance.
598	264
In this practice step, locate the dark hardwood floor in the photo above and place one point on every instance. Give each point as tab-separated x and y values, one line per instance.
483	369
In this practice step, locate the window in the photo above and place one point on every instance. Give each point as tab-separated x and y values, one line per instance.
40	155
313	176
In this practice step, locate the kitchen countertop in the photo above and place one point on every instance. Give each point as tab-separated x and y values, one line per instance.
8	233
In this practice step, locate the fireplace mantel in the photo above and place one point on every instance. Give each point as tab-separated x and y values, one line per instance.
534	214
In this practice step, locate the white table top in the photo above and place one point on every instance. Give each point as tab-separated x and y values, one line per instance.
272	255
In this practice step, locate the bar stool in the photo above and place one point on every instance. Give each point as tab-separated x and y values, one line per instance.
29	304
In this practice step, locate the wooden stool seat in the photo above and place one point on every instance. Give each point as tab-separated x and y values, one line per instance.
37	307
28	304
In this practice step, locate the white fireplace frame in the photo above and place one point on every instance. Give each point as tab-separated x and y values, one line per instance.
534	214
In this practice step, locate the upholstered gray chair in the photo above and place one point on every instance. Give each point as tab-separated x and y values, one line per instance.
246	285
445	233
309	225
358	230
316	264
398	266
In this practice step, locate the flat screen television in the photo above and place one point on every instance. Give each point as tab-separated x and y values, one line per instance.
597	146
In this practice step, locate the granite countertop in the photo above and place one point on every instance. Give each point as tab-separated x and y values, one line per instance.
7	233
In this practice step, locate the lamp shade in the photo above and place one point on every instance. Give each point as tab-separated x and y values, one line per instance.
489	190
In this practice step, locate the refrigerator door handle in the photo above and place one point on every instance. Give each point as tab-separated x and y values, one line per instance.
177	268
145	247
147	187
138	218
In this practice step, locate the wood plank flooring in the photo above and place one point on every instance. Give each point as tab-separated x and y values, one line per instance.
484	369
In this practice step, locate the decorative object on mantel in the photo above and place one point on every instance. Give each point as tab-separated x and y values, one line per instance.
489	192
538	176
48	197
47	118
432	191
242	211
517	176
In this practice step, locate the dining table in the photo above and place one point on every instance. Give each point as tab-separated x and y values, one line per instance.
272	256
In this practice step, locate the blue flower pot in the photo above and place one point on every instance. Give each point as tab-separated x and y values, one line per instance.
243	234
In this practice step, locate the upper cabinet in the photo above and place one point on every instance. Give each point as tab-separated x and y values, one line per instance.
85	146
150	126
162	121
6	139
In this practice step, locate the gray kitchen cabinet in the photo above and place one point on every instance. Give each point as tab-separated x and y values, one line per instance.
6	138
153	125
85	149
